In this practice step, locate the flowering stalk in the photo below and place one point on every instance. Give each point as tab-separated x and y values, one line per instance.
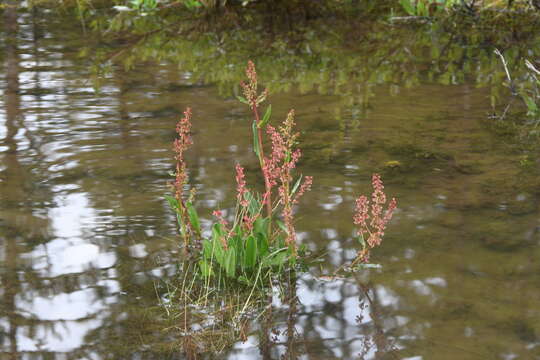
278	170
372	225
181	144
241	191
254	99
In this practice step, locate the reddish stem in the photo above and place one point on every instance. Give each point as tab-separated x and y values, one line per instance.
261	161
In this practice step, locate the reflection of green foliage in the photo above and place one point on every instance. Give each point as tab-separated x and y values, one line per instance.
143	5
523	128
344	59
425	7
348	57
428	8
345	56
531	96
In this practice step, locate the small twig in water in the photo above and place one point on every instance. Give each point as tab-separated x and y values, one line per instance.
505	64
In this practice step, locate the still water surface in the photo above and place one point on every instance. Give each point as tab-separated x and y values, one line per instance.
85	234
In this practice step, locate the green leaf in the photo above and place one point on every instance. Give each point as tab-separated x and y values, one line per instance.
262	244
194	218
173	203
207	249
361	240
217	231
192	4
217	248
251	251
206	269
531	105
421	9
408	7
230	262
242	99
256	145
296	185
266	117
254	205
244	280
235	242
287	157
277	258
261	226
282	226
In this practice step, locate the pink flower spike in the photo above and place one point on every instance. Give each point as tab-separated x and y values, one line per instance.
306	186
248	223
219	215
241	186
372	223
361	211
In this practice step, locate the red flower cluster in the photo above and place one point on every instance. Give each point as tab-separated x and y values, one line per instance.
278	168
250	88
241	189
374	229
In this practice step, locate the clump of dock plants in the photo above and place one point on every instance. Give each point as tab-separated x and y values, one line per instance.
251	254
256	244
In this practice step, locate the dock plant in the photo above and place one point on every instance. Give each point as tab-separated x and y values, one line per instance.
371	220
257	242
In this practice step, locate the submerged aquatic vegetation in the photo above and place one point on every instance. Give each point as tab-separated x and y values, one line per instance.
257	242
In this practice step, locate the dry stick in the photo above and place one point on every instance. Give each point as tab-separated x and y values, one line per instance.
496	51
531	67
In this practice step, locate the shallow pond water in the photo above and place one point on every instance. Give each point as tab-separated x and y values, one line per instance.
86	237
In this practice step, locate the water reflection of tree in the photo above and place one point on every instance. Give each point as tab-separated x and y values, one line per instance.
345	59
351	58
292	331
12	192
132	322
26	194
11	174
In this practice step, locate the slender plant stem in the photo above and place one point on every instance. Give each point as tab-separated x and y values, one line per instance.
183	214
261	162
